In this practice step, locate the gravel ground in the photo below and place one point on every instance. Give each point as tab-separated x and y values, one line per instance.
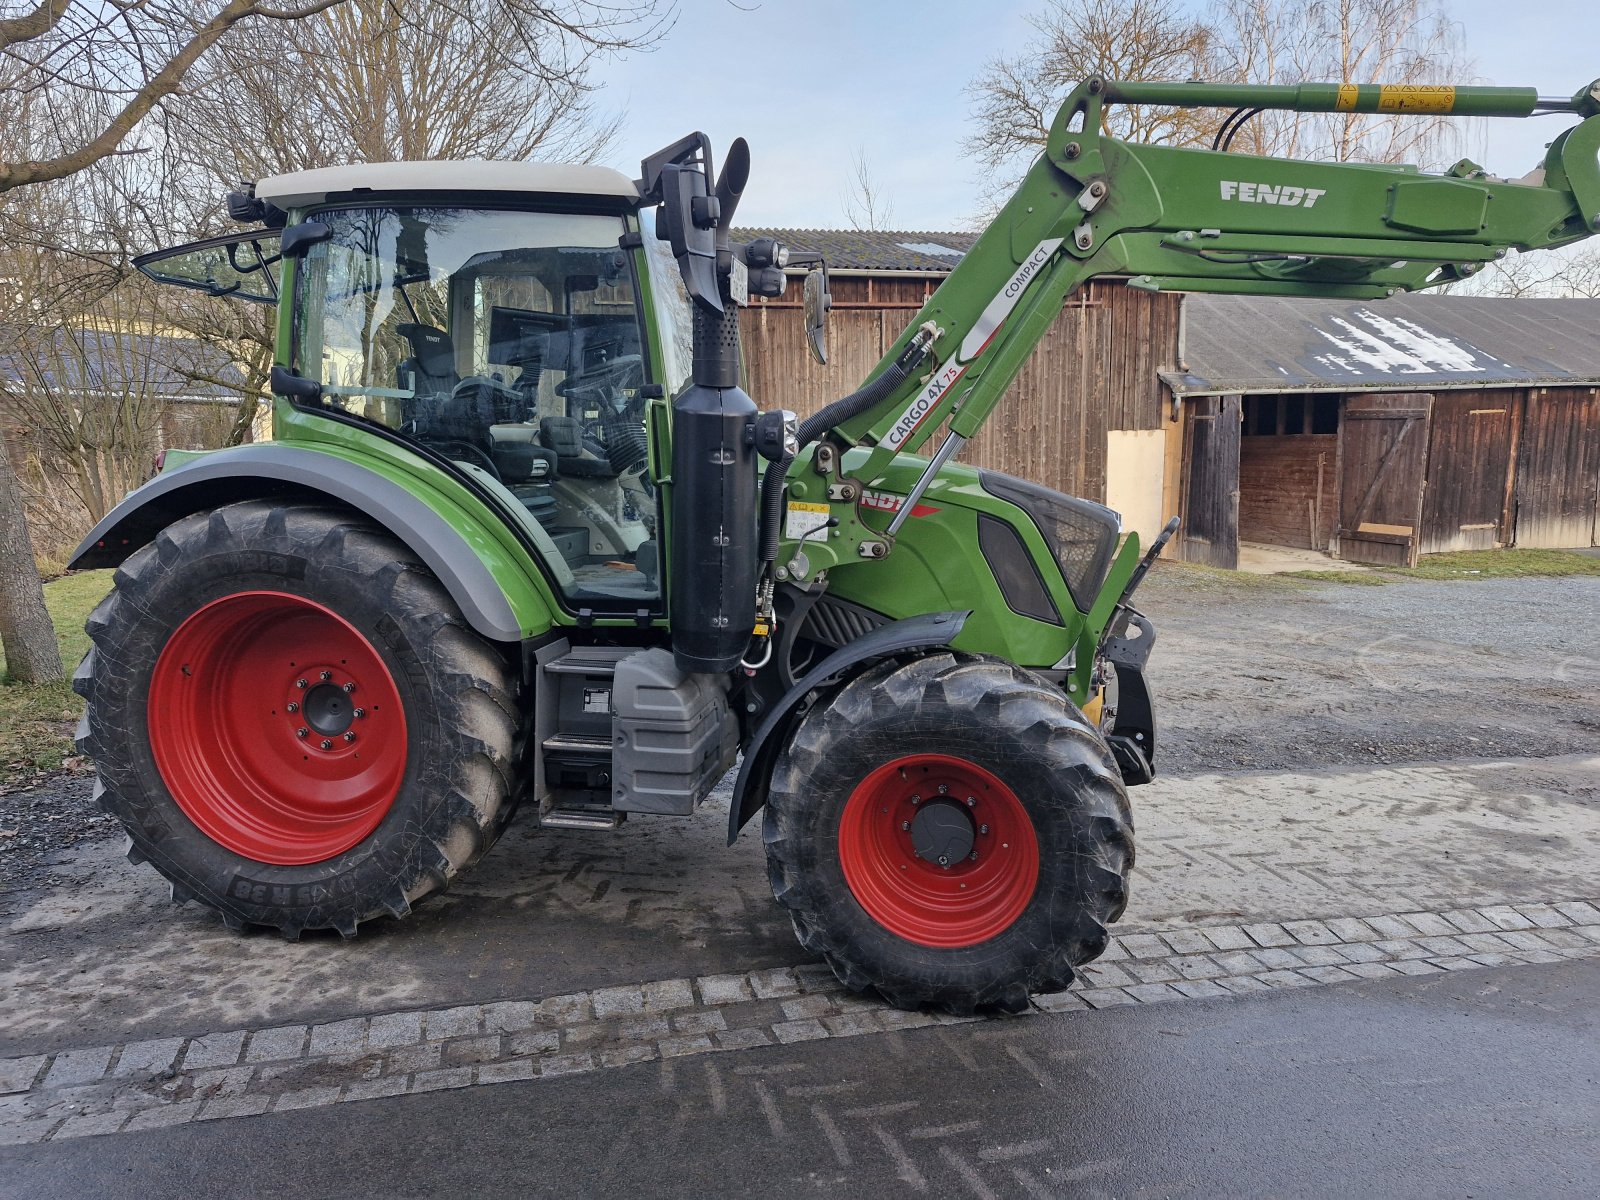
1273	673
1249	673
36	825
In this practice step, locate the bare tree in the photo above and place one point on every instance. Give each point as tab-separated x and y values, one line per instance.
1241	41
1015	96
1570	273
864	204
32	654
88	392
390	80
1343	41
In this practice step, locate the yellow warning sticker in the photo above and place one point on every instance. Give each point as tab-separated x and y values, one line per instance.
804	519
1416	97
1347	97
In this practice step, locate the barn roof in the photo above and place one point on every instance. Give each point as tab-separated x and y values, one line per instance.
1274	344
96	360
922	251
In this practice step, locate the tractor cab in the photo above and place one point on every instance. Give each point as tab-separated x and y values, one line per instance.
510	320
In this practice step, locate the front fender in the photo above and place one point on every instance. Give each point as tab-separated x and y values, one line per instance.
761	755
269	469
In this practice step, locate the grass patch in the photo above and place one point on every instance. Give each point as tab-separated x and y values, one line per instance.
1359	578
37	719
1502	564
1466	564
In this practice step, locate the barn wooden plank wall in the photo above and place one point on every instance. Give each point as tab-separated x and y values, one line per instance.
1095	370
1558	469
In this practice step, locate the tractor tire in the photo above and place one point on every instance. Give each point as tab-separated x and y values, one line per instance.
293	721
950	831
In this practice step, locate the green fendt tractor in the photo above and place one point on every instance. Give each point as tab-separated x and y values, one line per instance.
519	536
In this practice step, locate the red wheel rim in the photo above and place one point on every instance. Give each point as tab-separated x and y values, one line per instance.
897	878
277	727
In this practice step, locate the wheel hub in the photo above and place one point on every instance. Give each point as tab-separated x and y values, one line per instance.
942	833
329	709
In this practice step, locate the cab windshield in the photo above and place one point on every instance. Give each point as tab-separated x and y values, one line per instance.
510	343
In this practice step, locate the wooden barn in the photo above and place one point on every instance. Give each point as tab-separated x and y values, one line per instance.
1089	415
1370	431
1379	431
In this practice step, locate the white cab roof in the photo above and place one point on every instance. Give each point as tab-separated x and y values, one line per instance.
300	188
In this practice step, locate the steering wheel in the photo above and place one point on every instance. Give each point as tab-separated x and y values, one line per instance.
610	373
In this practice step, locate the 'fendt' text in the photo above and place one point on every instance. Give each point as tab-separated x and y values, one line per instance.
1266	193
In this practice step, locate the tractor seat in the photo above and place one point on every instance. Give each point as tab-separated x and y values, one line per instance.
565	436
431	368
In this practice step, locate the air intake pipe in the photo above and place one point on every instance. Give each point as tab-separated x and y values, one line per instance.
713	569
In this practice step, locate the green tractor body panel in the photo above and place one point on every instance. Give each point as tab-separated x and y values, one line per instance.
946	562
522	581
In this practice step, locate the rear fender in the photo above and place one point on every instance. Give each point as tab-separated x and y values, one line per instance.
260	471
761	755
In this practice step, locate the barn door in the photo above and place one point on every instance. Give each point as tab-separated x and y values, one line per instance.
1559	468
1383	462
1471	453
1211	483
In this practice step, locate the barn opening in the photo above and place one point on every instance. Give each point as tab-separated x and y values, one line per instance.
1288	469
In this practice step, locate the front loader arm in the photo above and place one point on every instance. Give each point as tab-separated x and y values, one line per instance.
1188	220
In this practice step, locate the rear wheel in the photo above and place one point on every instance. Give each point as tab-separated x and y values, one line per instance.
293	721
950	831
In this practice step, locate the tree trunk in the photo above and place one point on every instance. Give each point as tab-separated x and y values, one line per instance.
29	638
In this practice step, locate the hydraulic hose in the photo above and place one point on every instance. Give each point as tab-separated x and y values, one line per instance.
858	401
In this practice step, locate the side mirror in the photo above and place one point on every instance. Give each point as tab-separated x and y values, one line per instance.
817	303
297	239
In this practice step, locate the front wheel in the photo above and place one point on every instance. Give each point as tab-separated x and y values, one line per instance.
951	832
293	721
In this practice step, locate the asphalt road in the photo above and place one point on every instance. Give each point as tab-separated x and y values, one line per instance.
1480	1083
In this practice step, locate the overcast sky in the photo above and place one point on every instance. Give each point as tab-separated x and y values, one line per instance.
811	82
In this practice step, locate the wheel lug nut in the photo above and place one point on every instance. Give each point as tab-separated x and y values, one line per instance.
360	712
916	799
325	744
325	676
905	826
973	857
293	707
302	732
350	737
301	684
984	829
943	861
944	789
972	801
349	687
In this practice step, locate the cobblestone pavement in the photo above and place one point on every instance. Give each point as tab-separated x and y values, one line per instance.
554	912
162	1082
